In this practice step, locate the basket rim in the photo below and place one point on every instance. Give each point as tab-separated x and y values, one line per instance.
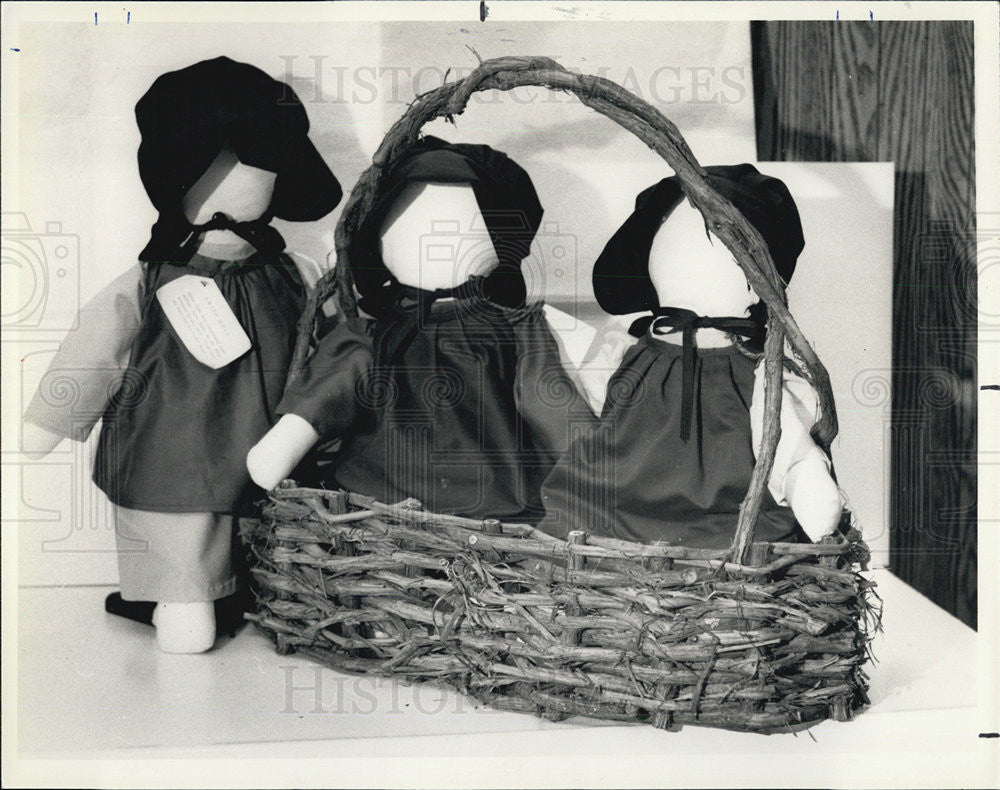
769	557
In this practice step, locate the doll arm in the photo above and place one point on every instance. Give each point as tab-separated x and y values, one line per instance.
549	402
88	368
322	402
800	477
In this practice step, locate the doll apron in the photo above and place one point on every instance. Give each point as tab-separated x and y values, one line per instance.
172	450
636	479
465	409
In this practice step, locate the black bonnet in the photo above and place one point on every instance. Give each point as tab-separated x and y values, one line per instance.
187	116
506	198
621	274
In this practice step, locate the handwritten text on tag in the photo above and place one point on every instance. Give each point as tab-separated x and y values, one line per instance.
203	320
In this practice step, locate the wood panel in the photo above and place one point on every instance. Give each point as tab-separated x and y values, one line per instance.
902	92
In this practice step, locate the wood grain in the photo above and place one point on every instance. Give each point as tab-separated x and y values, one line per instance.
856	49
902	92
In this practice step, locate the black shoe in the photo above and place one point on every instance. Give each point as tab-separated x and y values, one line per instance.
139	611
228	611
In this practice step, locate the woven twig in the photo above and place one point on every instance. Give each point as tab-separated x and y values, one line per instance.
624	632
662	136
758	637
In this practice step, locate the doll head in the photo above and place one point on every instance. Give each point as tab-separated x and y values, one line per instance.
663	256
209	132
446	212
241	192
434	236
695	271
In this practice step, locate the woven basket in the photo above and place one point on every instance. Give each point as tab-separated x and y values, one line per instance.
760	637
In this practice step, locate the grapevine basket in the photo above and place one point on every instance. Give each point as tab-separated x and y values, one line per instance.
762	637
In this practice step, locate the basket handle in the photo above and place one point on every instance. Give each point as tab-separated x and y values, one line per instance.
660	134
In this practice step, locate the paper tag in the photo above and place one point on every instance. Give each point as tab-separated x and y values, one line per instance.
203	320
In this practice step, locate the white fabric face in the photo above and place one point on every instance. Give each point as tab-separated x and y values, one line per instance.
693	272
239	191
434	236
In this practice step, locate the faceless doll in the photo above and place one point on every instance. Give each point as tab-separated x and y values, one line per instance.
454	394
672	458
184	357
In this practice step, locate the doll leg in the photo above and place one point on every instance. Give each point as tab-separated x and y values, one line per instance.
183	561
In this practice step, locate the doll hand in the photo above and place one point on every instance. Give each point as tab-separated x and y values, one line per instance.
37	442
813	495
800	477
274	457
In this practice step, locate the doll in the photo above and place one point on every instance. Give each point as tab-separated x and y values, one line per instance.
455	394
224	148
672	458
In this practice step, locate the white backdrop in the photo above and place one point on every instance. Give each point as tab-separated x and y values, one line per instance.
841	297
74	155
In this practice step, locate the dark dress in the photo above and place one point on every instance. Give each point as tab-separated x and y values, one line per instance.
176	434
466	409
634	478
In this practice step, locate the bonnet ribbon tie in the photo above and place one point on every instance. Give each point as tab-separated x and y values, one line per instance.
667	321
257	232
411	317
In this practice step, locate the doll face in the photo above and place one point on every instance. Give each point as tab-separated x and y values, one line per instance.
434	236
695	272
240	191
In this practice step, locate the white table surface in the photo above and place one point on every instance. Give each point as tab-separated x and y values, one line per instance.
98	704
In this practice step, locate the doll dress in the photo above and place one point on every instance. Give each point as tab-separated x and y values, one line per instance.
176	433
169	555
634	478
466	408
